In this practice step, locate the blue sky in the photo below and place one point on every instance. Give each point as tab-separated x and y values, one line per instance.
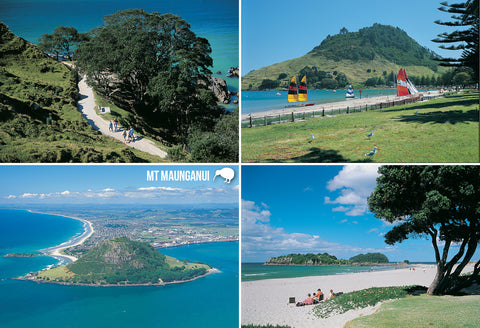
316	208
278	30
111	184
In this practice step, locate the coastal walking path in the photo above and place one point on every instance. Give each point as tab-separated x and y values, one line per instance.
86	105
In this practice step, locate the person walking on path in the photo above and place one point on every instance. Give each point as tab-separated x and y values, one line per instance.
110	126
130	135
125	136
115	125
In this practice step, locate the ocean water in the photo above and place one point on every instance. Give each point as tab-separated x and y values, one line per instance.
211	301
258	271
257	101
215	20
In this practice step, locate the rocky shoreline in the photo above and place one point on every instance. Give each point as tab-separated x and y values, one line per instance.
32	277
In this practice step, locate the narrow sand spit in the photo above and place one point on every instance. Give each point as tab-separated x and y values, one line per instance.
328	107
55	250
86	105
266	301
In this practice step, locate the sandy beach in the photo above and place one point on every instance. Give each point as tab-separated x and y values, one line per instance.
328	107
266	301
55	251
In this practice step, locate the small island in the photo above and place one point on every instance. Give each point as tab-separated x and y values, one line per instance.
326	259
22	255
123	262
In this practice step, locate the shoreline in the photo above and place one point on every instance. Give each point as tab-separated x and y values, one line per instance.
267	301
330	106
54	251
40	281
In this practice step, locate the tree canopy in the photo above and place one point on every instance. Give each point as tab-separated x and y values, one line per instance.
63	41
464	15
156	65
440	203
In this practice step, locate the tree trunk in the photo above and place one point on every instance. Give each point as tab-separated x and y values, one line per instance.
438	281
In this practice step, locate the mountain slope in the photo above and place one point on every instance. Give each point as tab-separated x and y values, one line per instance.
39	121
359	55
122	261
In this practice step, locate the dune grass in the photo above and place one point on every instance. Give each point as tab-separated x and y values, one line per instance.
424	311
443	130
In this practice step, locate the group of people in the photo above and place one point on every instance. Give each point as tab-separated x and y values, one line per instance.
128	136
317	297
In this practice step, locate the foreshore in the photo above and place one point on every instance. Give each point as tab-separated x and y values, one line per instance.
328	107
55	251
267	301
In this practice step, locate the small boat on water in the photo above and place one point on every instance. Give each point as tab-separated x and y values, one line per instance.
350	93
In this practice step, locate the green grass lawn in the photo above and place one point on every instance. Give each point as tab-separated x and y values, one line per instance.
424	311
443	130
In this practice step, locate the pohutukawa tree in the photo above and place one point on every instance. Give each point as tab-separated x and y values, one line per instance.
63	40
156	64
440	203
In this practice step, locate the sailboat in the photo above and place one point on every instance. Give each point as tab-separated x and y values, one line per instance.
293	96
292	90
404	86
350	93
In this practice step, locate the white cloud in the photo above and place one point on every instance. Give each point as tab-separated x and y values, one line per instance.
66	192
355	183
260	240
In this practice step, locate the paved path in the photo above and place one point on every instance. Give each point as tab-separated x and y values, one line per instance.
86	105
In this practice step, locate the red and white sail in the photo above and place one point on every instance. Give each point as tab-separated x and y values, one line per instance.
404	86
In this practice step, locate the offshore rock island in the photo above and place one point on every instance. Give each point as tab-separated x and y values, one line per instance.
122	262
326	259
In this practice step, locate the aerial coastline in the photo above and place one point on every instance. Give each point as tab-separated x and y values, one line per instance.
56	251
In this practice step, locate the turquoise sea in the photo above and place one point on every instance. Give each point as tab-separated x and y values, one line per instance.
258	271
258	101
215	20
211	301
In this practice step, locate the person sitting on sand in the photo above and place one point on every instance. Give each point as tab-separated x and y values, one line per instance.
308	301
331	295
318	296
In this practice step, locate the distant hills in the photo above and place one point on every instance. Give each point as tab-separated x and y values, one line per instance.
121	261
371	52
319	259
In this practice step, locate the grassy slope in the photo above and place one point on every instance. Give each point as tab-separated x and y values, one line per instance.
444	130
33	87
356	72
127	255
424	311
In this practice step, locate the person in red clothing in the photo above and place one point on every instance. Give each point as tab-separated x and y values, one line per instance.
318	296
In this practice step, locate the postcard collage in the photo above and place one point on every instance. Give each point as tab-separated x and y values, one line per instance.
239	163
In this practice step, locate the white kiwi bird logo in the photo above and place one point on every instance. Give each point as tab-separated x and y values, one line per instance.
227	173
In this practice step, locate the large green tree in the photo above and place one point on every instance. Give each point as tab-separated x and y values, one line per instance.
466	37
440	203
156	65
63	41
